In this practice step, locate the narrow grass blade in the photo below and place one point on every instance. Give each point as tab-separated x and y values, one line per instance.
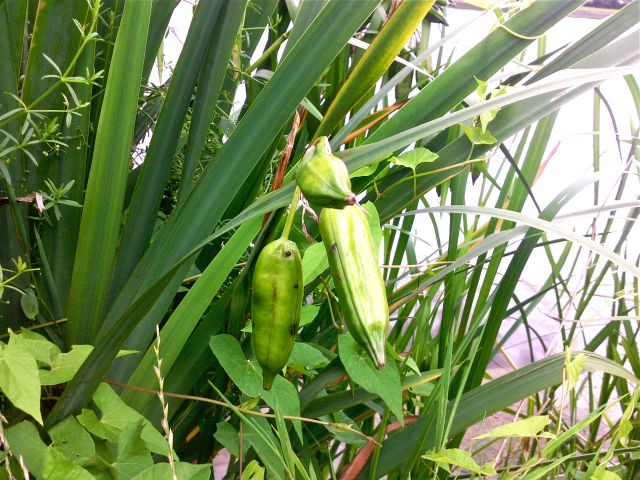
194	219
209	84
160	17
147	195
54	20
101	216
486	400
481	62
186	316
381	53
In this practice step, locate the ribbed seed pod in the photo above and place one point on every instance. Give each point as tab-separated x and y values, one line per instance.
275	306
356	273
323	178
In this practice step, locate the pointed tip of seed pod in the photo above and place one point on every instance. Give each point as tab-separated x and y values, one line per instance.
267	380
351	200
380	359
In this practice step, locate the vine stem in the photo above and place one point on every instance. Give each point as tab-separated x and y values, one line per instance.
292	212
342	426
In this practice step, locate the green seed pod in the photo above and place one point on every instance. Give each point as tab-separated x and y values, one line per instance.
275	306
356	273
323	178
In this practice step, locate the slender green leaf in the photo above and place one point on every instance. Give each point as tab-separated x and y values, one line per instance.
189	224
485	400
209	85
101	216
486	58
184	319
147	195
393	36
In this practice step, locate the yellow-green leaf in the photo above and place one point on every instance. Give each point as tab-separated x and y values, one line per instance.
529	427
459	458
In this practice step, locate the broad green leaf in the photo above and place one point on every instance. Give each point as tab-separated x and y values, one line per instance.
29	304
228	436
65	365
253	471
133	456
305	357
72	441
487	117
385	383
25	440
43	350
477	136
116	413
366	171
626	427
411	363
308	314
529	427
459	458
314	262
285	394
424	389
184	471
481	91
92	423
19	379
247	375
415	157
57	467
129	437
601	473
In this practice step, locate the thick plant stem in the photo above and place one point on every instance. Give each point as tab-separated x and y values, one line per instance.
292	213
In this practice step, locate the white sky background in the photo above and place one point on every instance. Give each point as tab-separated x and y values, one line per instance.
573	132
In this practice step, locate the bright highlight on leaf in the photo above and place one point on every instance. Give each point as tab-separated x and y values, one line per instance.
529	427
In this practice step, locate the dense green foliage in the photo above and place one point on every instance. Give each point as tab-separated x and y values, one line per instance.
125	285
